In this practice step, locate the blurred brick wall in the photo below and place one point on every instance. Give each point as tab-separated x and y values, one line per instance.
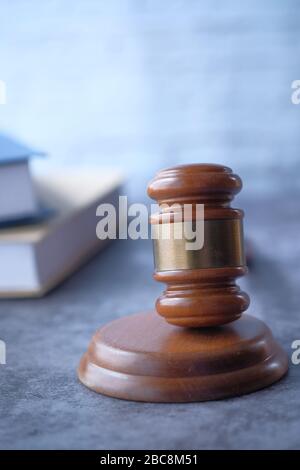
145	84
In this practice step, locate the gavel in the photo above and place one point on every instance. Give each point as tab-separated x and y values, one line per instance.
201	289
197	344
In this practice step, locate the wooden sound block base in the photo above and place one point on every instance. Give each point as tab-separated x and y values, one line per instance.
143	358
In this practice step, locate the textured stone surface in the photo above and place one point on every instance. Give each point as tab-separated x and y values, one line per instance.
42	405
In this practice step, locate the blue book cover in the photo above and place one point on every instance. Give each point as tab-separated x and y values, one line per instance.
12	150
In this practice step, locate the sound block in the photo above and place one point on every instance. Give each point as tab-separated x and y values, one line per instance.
143	358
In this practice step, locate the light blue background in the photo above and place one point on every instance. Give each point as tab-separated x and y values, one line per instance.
146	84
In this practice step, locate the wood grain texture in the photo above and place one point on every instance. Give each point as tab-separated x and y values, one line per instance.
200	296
205	183
142	358
221	354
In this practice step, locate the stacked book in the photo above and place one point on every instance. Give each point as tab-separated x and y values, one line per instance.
47	222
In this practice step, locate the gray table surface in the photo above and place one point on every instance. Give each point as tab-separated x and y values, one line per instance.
44	406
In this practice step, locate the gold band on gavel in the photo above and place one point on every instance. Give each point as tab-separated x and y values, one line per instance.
222	247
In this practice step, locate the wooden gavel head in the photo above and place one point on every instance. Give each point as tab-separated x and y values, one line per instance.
201	289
